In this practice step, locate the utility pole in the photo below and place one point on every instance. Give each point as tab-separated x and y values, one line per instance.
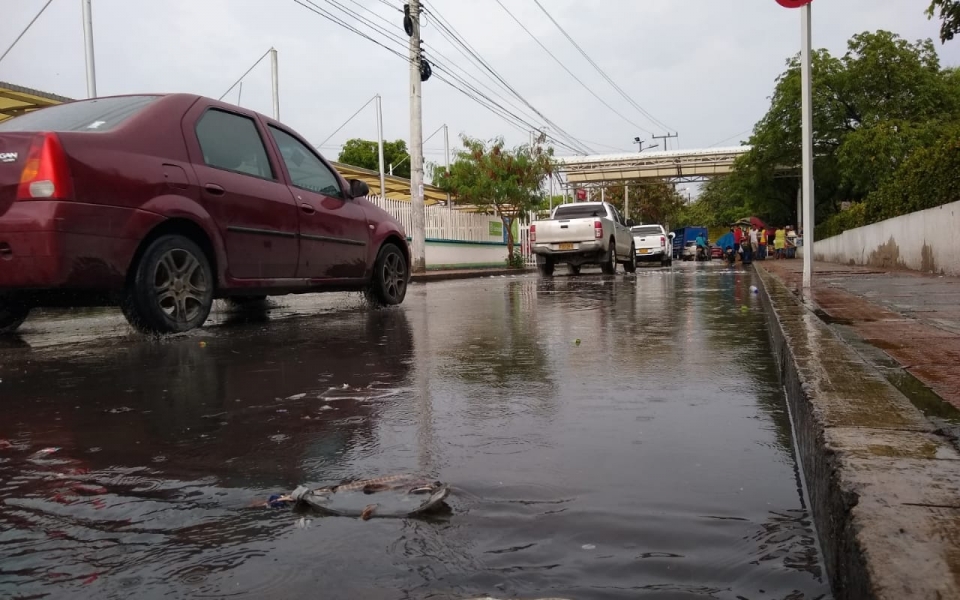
665	138
383	183
446	160
275	83
626	201
88	49
416	143
806	95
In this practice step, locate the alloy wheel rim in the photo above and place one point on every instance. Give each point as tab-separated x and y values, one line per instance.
394	276
180	285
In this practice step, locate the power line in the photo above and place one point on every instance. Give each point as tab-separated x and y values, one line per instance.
347	121
444	24
244	75
493	106
601	71
25	29
569	72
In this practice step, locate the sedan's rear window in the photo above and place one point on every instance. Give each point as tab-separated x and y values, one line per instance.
98	114
579	211
646	230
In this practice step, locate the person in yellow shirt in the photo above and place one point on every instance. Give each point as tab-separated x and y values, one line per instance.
762	246
780	242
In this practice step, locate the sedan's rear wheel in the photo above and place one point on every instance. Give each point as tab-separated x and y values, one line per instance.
171	289
388	286
12	315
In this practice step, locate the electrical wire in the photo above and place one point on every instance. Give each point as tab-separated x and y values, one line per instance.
25	30
347	121
445	24
569	72
244	75
613	84
497	109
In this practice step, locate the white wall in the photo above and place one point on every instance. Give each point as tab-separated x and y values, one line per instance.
465	255
927	240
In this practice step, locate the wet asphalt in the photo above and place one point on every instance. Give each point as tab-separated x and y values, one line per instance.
605	437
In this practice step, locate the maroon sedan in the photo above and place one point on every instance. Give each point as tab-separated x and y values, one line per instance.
161	203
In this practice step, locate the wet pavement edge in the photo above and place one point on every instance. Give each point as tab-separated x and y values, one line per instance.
884	485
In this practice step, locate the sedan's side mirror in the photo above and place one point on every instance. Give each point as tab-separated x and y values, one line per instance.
359	189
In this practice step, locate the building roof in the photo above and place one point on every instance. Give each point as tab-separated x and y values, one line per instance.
16	100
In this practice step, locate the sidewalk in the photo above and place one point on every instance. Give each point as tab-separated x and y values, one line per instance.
913	317
447	274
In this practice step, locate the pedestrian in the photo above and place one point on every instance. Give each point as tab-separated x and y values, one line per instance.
791	243
779	242
754	240
762	246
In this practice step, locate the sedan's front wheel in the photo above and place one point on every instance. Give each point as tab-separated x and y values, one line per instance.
388	286
171	290
12	315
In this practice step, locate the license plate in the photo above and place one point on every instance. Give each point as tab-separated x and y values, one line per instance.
566	246
644	250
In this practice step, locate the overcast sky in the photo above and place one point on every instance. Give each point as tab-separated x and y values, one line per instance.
705	68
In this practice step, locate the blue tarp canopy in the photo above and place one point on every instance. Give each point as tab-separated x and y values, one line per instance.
726	241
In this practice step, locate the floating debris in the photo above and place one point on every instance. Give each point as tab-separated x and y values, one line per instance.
397	496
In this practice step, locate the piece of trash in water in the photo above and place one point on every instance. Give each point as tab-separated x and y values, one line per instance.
119	409
744	308
754	289
279	437
397	496
588	547
45	452
304	523
577	341
203	344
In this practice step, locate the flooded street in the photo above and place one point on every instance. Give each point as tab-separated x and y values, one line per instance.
605	437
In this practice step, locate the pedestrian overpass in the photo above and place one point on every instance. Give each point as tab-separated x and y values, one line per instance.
675	166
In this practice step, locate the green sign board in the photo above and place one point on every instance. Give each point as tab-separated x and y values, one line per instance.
496	228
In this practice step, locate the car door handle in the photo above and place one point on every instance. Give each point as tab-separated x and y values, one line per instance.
307	208
214	189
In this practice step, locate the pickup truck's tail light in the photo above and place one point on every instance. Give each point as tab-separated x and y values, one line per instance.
533	233
45	174
598	229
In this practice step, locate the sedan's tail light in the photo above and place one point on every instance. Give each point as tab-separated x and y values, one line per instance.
45	174
598	229
533	233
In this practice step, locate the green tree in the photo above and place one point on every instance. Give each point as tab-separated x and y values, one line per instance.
949	17
366	155
506	182
873	107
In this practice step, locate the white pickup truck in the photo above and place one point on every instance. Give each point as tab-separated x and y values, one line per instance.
583	233
653	244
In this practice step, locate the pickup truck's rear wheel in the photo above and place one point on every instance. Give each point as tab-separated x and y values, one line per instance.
171	289
609	266
631	265
574	269
546	268
12	315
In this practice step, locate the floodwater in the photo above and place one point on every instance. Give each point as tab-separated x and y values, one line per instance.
605	437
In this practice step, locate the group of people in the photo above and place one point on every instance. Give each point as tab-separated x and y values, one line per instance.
754	242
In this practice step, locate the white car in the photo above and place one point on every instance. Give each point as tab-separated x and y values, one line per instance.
583	233
653	244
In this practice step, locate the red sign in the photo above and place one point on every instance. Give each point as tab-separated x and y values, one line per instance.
793	3
581	194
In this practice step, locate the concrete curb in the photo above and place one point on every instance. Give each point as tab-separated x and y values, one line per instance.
431	276
884	487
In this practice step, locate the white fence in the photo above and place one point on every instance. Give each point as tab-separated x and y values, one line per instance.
445	224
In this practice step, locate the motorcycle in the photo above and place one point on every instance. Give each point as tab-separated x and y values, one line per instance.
703	253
